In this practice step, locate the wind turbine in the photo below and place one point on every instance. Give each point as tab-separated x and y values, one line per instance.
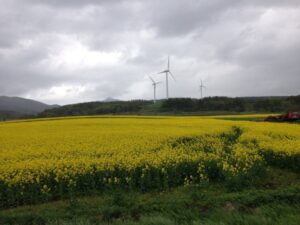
201	87
167	72
154	88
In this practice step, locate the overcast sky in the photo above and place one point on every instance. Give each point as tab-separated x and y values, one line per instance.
86	50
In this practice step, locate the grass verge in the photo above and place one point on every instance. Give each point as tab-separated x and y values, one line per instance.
275	200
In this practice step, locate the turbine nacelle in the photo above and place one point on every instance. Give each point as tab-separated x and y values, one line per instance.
153	81
154	84
165	71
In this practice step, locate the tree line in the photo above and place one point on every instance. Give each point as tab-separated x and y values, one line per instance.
177	105
241	104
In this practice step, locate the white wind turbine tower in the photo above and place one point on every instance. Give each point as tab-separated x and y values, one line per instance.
154	88
167	72
201	88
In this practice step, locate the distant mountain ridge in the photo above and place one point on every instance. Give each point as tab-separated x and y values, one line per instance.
16	106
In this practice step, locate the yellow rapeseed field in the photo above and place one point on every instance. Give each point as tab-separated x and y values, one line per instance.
47	159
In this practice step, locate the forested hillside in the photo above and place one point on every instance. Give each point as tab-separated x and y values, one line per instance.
180	105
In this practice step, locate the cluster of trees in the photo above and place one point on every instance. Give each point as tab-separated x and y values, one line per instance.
249	104
177	105
97	108
12	115
8	115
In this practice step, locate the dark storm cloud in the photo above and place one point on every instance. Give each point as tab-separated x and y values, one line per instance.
75	50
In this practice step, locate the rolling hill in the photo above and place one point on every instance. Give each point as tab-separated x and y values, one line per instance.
15	107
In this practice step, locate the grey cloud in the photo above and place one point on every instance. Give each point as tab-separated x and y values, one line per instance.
74	3
231	44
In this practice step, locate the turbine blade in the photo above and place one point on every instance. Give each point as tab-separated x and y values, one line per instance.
161	72
151	79
168	62
172	76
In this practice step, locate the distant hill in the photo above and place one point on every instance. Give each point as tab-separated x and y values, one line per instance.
15	107
109	99
187	106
